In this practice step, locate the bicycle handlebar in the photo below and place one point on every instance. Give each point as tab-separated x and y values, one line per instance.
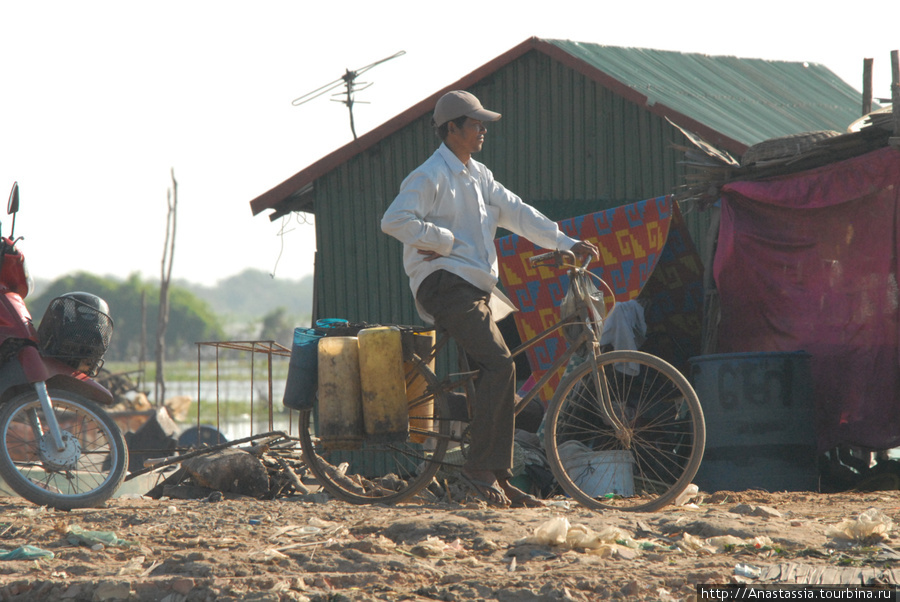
560	259
567	259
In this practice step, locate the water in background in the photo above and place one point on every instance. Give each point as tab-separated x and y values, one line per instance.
237	425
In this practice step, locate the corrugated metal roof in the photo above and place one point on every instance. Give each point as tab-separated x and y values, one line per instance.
731	102
747	100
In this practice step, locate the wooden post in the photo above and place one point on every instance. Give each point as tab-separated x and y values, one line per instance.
867	86
895	98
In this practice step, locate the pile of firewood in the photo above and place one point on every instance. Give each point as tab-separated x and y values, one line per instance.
270	467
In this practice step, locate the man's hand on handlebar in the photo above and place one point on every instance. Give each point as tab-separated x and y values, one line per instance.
584	248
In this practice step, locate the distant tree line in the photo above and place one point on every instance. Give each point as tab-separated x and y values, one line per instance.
249	305
190	319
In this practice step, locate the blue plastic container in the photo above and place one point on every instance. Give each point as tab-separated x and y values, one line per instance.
303	369
332	323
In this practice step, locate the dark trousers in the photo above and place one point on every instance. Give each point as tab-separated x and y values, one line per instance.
462	310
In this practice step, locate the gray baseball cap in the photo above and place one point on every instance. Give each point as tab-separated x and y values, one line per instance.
459	103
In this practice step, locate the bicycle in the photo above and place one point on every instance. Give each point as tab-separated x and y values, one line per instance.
624	429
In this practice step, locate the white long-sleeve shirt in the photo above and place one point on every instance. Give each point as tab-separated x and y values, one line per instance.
455	210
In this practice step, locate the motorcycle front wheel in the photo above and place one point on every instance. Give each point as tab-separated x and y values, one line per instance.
84	474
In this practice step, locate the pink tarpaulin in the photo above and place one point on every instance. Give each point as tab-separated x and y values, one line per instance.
809	262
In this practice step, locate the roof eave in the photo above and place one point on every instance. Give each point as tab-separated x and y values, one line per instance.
289	188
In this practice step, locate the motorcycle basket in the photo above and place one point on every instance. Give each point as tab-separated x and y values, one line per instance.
75	333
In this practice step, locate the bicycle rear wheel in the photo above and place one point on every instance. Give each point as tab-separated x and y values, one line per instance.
652	460
391	472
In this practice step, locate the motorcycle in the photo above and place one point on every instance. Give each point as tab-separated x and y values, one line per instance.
58	447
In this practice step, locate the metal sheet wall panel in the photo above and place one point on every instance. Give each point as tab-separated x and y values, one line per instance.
565	144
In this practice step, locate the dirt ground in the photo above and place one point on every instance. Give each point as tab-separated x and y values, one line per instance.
305	549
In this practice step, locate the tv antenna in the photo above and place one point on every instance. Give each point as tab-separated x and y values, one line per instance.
351	86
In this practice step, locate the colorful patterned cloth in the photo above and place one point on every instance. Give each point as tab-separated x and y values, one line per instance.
645	251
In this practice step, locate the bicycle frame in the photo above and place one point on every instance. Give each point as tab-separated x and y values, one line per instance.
647	447
588	337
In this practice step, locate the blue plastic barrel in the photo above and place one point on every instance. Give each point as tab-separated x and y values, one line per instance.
760	421
199	436
303	370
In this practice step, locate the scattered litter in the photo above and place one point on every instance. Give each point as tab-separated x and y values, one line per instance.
25	553
761	511
134	566
747	570
267	555
615	542
871	526
610	542
664	595
435	546
687	495
720	544
553	532
78	536
581	537
885	552
322	524
32	512
562	504
298	531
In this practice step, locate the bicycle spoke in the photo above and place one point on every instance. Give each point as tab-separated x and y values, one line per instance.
647	454
388	472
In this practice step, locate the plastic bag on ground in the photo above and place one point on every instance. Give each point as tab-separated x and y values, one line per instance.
870	526
77	535
553	532
25	553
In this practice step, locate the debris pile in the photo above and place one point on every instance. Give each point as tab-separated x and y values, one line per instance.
124	390
708	169
270	467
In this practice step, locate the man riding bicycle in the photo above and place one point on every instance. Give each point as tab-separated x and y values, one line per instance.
446	215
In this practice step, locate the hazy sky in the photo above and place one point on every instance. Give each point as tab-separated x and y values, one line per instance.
99	100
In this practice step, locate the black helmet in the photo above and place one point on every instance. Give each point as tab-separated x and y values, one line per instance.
76	329
84	303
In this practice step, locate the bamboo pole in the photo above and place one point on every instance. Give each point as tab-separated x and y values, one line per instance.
895	98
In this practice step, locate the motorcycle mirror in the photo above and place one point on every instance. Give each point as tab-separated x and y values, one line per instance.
13	205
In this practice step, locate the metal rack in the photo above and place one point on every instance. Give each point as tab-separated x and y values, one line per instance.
269	349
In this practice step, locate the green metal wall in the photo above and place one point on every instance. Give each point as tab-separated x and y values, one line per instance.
565	144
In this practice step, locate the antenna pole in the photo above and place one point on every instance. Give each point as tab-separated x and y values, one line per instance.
349	82
349	78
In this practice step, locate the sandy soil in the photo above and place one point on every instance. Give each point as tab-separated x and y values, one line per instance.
306	549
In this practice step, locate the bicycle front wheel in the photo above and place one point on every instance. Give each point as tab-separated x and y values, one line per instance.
654	453
385	472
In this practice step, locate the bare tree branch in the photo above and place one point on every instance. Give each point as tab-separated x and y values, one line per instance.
165	278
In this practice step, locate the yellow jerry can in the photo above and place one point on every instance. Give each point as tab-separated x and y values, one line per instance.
385	413
340	396
421	406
